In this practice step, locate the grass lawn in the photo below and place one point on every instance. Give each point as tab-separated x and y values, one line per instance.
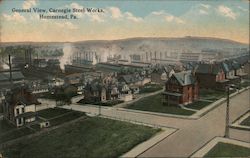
228	150
108	103
246	122
198	105
154	104
93	137
52	112
65	118
15	134
5	126
9	131
211	94
149	88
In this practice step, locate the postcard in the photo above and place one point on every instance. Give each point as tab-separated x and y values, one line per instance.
124	78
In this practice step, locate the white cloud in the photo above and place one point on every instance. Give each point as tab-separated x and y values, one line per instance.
204	12
95	17
133	18
16	17
115	12
76	6
207	6
202	9
227	12
162	12
29	3
167	17
67	25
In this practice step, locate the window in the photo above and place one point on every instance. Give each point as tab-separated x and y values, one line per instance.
17	111
22	110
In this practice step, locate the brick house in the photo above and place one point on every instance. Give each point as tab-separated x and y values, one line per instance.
95	92
210	75
19	106
181	88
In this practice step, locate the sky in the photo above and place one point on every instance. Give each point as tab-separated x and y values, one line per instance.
228	19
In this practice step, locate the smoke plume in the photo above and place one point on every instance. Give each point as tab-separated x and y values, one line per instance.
67	52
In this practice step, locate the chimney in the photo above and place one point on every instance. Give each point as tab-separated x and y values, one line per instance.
10	69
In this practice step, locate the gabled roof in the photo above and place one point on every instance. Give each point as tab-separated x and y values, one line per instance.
236	65
94	86
184	78
225	67
131	78
21	95
204	68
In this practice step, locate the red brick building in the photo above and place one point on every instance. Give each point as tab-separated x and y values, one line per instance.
210	75
181	88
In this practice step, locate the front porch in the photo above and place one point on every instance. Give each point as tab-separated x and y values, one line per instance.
171	98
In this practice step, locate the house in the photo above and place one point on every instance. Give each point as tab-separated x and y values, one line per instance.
181	88
19	106
124	92
161	75
95	92
230	71
246	68
210	75
239	69
112	92
134	79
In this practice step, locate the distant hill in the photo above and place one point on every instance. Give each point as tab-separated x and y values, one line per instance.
160	44
145	44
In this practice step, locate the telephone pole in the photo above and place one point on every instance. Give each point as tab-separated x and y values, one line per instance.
227	114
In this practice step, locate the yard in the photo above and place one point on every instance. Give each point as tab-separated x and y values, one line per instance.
56	116
92	137
107	103
52	112
154	104
228	150
9	131
5	126
197	105
246	122
211	94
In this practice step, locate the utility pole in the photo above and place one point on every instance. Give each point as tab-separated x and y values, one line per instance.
10	69
227	114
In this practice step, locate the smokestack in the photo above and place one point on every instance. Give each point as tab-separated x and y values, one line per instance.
10	69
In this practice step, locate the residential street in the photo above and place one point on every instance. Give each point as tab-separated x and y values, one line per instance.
192	134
